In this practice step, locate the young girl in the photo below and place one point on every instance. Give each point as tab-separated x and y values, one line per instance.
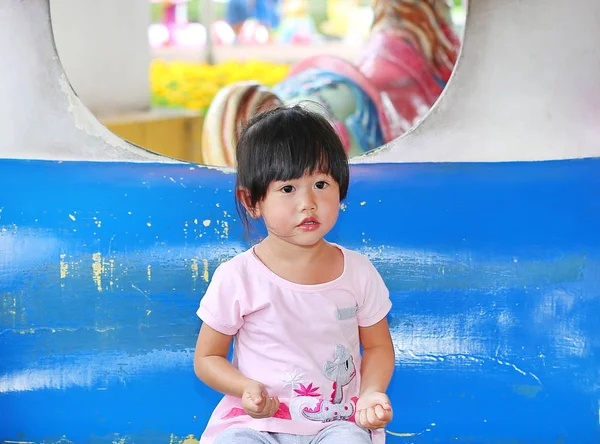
298	307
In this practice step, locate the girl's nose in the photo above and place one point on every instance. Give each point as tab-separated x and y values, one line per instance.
309	202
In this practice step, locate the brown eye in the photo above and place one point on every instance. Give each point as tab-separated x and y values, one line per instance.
287	189
320	185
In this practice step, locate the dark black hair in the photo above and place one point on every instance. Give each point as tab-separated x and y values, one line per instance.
286	143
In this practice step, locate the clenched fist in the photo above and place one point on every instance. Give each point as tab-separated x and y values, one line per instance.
256	401
373	410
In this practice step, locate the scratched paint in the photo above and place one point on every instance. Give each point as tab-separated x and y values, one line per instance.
97	270
195	269
529	391
224	229
496	301
205	274
64	269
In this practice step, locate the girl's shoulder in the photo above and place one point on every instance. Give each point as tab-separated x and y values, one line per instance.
236	265
354	260
244	268
239	259
359	271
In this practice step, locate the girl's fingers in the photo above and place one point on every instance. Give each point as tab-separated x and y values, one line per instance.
389	414
357	418
267	407
363	418
260	405
372	417
270	407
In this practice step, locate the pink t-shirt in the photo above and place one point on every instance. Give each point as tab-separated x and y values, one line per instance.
300	341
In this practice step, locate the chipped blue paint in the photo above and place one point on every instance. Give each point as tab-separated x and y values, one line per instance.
494	271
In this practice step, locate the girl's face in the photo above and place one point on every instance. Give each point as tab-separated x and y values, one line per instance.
301	211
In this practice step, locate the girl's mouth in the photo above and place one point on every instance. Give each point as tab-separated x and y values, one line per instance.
309	224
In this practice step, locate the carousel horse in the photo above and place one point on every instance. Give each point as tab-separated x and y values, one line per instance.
400	73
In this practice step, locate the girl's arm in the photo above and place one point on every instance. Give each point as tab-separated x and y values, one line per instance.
213	368
373	407
211	364
378	357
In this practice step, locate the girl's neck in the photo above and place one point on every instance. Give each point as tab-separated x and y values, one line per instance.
316	264
278	249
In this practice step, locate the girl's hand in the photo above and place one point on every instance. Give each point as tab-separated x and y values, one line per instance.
256	401
373	410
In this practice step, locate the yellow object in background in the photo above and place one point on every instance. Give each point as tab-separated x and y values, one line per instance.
347	19
181	94
193	85
173	133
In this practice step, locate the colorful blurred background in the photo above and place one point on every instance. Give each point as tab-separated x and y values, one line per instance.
249	40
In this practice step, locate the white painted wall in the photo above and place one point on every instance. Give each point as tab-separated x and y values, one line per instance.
40	116
103	46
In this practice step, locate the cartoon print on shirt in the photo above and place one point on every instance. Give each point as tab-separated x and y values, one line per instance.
326	411
306	397
282	413
308	403
291	379
340	371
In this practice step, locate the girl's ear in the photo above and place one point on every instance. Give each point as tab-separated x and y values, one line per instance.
243	196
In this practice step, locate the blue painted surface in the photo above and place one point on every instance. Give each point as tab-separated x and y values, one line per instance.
494	271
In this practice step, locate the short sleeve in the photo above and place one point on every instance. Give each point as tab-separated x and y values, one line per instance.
374	303
221	305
